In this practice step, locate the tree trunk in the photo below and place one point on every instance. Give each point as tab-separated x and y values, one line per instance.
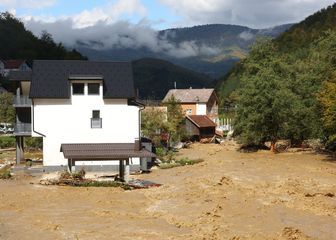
273	148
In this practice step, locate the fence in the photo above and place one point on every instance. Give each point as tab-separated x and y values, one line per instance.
226	124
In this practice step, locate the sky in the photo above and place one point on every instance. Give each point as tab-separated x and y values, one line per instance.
134	23
161	14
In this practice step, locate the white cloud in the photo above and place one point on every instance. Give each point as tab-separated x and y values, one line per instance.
246	35
30	4
254	13
118	35
109	13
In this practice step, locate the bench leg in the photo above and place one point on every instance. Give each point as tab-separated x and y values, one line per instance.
121	170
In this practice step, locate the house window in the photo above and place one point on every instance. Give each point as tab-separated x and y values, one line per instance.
96	121
93	88
78	88
189	111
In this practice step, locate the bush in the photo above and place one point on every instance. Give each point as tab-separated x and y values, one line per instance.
5	174
7	142
331	143
33	143
161	152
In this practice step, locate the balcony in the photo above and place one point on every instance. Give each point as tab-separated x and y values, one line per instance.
96	123
22	129
22	101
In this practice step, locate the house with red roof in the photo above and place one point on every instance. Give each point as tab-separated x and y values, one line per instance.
13	65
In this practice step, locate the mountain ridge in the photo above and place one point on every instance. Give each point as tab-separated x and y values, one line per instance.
210	49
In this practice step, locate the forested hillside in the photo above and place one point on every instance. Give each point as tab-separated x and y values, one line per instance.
210	49
294	41
286	88
18	43
153	78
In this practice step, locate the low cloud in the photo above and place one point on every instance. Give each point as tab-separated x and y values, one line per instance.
246	36
119	35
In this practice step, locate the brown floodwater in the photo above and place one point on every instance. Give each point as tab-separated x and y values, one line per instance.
230	195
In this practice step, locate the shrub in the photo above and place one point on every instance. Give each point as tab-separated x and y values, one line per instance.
7	142
5	174
160	152
33	143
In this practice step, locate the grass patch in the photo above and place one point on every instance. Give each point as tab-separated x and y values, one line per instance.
179	163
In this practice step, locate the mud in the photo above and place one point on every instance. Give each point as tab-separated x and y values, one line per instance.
230	195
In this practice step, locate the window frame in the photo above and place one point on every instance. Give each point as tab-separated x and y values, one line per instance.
78	94
96	93
95	118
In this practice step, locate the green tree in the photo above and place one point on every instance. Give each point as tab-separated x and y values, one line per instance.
153	122
176	120
18	43
7	111
327	98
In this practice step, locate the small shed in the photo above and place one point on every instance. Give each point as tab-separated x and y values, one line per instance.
200	126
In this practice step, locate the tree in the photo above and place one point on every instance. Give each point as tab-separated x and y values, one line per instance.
327	98
153	122
7	111
176	120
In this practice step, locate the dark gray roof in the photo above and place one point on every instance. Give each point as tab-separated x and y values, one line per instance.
20	75
51	77
103	151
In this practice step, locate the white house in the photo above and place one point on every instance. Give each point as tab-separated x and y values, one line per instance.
85	112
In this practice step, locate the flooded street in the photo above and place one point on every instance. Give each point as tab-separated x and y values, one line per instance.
230	195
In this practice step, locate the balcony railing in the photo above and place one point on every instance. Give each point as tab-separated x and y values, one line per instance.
22	129
22	101
96	123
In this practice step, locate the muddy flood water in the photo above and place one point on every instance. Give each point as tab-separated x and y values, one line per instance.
230	195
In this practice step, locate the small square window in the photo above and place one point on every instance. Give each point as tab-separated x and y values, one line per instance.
78	88
95	114
189	111
93	88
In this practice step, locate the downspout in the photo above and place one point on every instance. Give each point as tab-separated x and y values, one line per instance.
34	121
141	106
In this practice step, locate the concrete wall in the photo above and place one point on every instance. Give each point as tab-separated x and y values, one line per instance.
69	121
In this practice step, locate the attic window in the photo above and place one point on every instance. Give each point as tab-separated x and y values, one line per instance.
93	88
78	88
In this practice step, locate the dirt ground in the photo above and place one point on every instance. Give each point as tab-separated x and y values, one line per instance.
230	195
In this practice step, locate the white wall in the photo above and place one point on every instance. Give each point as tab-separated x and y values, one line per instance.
69	121
201	109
